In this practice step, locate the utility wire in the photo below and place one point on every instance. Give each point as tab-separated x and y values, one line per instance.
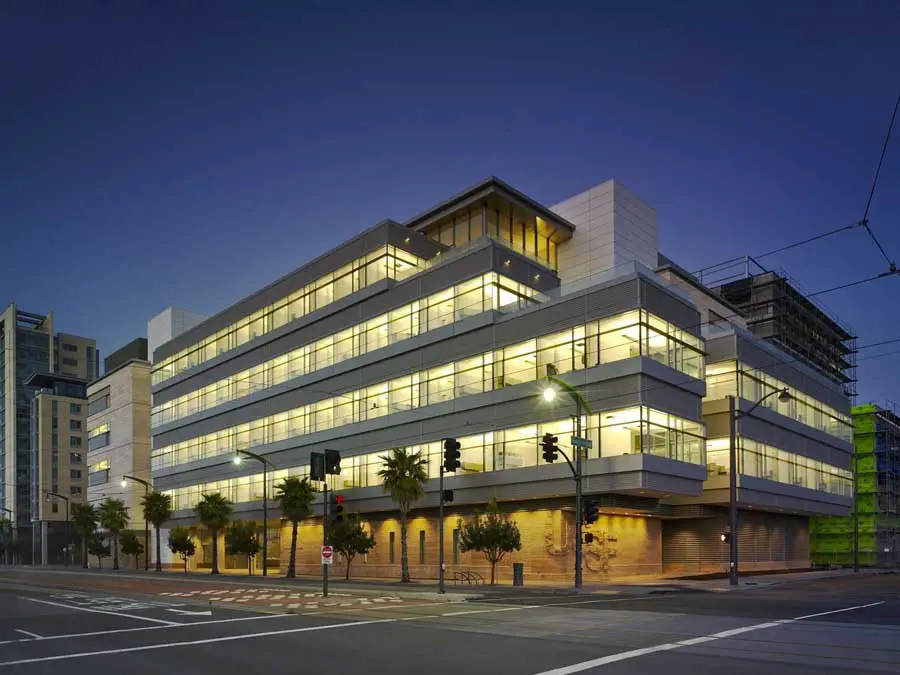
865	218
807	241
889	273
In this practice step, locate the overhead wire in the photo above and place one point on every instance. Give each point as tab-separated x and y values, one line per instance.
865	219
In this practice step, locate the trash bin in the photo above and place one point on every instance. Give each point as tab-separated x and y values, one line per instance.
518	574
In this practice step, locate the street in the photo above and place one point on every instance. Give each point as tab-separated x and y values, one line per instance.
848	625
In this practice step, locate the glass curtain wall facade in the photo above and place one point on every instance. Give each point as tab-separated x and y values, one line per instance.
730	378
486	292
765	461
388	262
633	430
607	340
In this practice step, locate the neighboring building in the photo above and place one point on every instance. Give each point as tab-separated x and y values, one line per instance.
119	428
877	464
58	472
29	345
445	326
168	324
777	311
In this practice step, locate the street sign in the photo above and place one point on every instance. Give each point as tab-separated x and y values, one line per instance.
327	555
585	443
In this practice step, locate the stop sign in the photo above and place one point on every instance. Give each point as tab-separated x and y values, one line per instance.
327	555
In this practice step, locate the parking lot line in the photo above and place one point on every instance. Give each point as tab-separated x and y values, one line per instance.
103	611
28	633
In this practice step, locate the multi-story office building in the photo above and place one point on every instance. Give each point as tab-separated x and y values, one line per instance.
29	345
58	472
444	326
118	424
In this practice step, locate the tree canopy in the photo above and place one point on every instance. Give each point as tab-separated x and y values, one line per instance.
491	534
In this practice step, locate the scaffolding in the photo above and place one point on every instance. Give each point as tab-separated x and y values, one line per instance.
778	310
876	462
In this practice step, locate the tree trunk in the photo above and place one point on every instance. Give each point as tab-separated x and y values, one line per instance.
347	576
84	557
493	570
158	561
99	563
249	565
404	559
185	564
115	551
292	561
215	560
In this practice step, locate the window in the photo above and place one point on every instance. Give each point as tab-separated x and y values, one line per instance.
98	404
54	508
421	547
456	546
74	408
69	347
75	474
74	441
391	538
69	362
75	458
74	425
75	490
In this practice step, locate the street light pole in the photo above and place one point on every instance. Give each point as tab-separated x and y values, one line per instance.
733	416
265	463
580	406
147	488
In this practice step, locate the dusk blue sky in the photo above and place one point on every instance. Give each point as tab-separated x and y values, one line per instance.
188	153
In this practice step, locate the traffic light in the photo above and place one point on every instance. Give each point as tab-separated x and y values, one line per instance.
332	462
447	496
725	537
337	508
451	455
548	444
590	512
316	466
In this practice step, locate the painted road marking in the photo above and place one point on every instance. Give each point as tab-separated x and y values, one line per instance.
103	611
34	636
143	628
634	653
192	643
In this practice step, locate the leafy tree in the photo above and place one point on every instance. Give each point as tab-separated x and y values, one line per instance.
6	537
350	539
157	510
243	539
404	475
131	545
96	546
295	498
181	544
214	511
84	517
113	516
492	534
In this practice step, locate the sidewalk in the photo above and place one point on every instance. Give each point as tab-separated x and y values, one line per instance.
428	589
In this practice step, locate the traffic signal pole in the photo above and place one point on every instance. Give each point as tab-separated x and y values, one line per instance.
578	505
325	538
441	588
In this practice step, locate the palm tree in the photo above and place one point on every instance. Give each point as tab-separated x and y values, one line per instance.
84	516
157	510
214	511
404	474
113	516
295	498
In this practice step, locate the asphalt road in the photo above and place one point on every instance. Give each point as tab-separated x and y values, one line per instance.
849	625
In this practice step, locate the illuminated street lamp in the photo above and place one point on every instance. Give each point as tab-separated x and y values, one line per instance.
238	458
147	488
